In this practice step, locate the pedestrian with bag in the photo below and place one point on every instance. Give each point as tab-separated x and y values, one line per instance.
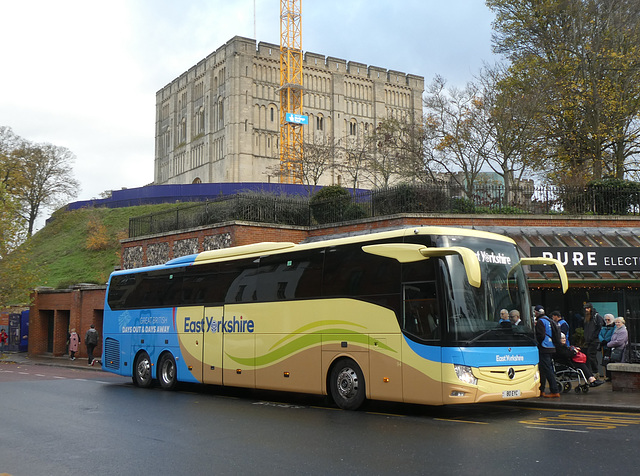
572	356
91	341
619	341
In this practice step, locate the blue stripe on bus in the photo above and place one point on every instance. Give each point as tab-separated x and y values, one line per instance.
477	356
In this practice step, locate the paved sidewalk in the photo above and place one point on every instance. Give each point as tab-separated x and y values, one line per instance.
24	359
600	398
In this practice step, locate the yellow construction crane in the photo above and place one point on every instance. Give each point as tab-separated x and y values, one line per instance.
291	117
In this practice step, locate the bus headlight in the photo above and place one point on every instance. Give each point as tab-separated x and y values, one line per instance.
465	374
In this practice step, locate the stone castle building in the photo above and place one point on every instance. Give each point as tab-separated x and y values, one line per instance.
219	121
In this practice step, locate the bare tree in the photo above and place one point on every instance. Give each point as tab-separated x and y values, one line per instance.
454	140
357	154
513	149
316	159
49	180
384	163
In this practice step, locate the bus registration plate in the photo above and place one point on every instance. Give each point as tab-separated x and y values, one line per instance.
510	393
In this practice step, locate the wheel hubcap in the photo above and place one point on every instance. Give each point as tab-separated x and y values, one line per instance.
144	369
167	372
347	383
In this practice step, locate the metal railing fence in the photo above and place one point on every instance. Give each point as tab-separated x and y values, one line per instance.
444	199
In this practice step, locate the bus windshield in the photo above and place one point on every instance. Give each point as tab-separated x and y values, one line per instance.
487	315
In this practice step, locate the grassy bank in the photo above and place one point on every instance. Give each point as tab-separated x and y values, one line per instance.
82	246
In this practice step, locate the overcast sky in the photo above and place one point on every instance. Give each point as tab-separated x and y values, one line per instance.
83	74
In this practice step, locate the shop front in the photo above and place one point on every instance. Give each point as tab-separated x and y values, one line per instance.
603	266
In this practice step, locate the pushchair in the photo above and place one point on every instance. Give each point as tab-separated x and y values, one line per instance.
567	374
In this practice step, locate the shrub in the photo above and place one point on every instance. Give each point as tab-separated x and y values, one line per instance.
612	196
407	198
329	204
97	235
462	205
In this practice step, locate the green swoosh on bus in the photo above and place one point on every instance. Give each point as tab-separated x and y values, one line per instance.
303	342
307	327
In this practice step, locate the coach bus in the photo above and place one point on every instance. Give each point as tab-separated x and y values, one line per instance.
407	315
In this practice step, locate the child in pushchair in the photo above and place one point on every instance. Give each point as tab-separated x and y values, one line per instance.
570	364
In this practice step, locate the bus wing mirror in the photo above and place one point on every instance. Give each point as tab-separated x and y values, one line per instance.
410	252
469	259
403	252
562	273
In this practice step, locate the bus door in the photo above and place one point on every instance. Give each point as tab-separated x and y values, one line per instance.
212	360
422	327
238	356
191	326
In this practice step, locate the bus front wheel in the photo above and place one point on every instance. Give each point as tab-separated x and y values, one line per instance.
167	372
346	384
142	371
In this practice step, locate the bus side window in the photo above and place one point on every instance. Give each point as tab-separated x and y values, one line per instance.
420	310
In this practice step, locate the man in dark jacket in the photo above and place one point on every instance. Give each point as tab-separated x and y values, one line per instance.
91	341
562	324
593	322
546	350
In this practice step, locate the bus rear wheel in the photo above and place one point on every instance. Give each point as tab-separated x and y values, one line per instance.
142	371
346	384
167	374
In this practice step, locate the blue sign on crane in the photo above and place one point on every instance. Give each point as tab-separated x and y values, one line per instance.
296	118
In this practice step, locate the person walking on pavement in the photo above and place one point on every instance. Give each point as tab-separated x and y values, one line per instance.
74	342
593	322
91	341
546	350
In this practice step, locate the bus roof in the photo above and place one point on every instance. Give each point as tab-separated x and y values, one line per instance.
260	249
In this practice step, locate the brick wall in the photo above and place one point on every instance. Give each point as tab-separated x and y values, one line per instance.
54	312
158	249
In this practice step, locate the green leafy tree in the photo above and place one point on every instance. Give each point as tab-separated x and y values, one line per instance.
581	58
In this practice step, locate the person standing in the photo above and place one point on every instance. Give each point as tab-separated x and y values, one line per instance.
91	341
4	337
606	332
74	342
593	322
564	326
619	340
546	350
